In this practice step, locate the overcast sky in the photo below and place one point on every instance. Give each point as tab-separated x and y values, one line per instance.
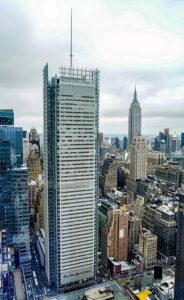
131	42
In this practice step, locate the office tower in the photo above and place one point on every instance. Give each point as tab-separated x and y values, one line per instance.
157	144
15	136
148	220
114	235
168	140
134	119
117	142
14	210
6	117
5	164
175	143
182	139
109	177
125	143
70	168
138	157
179	270
165	229
162	147
148	248
21	234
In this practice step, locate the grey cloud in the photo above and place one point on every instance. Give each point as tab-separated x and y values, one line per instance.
25	49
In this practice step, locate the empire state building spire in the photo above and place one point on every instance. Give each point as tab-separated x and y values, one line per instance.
134	120
135	94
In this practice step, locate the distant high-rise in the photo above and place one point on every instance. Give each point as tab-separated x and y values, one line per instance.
15	136
168	140
125	143
6	117
182	139
117	142
70	167
134	119
138	157
179	270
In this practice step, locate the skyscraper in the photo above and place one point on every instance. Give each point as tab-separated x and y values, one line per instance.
138	164
138	157
134	119
70	165
168	140
6	117
179	271
15	136
14	209
182	139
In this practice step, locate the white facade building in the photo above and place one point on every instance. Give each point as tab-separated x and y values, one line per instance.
70	174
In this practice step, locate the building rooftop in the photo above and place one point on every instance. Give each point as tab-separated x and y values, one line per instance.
165	209
118	293
125	266
104	293
143	295
114	262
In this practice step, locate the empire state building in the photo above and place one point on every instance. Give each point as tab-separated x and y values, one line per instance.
134	119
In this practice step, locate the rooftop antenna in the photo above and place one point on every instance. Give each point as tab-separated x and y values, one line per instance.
71	55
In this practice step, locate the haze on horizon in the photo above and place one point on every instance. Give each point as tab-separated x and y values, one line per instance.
130	42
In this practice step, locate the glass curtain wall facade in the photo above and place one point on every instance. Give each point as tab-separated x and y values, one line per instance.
6	117
21	236
14	205
71	114
5	195
179	270
15	136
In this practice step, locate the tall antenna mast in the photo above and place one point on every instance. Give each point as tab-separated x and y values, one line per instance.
71	55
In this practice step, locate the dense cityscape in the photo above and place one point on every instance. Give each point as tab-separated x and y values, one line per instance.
86	214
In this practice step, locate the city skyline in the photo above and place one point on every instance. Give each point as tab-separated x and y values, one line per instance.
147	50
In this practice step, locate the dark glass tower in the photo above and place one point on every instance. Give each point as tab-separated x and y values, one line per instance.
182	139
134	119
6	117
179	271
14	208
15	136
